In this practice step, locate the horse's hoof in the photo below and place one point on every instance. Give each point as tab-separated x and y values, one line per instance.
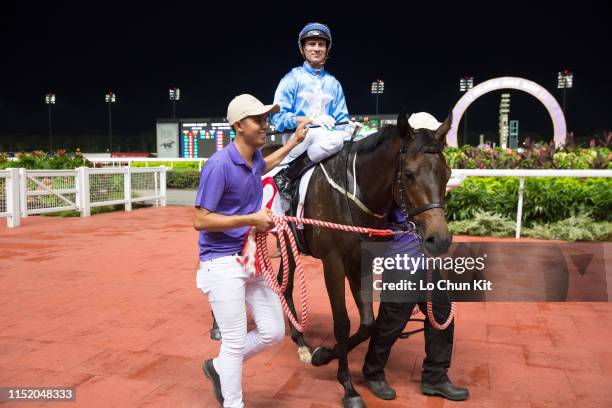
321	356
304	354
354	402
215	334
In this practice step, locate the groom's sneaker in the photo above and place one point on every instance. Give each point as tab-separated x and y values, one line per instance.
210	373
446	390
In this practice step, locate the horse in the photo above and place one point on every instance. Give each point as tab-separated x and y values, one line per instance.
397	165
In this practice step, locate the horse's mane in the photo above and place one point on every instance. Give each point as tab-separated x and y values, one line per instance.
424	141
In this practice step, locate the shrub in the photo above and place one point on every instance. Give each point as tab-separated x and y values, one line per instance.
545	200
575	228
38	160
183	179
173	165
532	156
484	224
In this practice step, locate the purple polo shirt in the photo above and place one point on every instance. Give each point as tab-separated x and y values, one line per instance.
396	216
228	186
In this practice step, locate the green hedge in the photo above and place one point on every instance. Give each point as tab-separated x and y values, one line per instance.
531	157
37	160
175	165
183	179
575	228
545	200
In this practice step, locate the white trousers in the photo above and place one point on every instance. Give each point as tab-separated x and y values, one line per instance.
320	143
229	287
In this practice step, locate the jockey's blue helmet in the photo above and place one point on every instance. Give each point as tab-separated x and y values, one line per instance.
315	30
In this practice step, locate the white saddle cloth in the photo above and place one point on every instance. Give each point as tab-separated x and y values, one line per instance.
274	201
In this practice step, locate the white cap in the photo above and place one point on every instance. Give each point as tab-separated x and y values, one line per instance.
247	105
423	120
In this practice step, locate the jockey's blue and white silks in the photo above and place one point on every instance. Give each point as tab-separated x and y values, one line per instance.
306	92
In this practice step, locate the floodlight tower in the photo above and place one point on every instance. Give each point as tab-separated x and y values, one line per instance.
50	100
110	99
465	84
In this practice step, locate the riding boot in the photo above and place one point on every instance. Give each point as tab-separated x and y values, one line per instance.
286	179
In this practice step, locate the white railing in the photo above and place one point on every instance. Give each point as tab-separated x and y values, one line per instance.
9	197
45	191
124	185
459	175
29	192
40	191
127	161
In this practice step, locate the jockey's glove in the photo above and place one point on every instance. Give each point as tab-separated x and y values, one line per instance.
352	126
324	121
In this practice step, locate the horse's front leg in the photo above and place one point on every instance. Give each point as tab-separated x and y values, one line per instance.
365	307
334	281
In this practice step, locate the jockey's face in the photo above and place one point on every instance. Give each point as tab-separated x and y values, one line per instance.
253	129
315	51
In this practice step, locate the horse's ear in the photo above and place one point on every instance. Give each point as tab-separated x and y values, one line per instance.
444	127
404	128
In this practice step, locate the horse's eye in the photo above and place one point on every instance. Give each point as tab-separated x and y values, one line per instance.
409	175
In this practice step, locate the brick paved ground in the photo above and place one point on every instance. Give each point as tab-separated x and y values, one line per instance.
108	304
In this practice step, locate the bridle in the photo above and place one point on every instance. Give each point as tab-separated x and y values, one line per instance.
409	212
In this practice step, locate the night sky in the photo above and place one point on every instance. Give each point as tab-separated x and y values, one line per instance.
216	50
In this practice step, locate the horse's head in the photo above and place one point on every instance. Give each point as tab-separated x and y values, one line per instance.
422	174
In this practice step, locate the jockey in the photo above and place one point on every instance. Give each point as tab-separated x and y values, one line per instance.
310	92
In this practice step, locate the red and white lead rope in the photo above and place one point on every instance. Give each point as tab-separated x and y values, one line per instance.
263	265
430	315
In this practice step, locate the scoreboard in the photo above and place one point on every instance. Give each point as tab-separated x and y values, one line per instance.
204	138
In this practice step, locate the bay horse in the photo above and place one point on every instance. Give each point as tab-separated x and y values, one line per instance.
398	166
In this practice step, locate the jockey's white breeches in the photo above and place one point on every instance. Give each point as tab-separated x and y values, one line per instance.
320	143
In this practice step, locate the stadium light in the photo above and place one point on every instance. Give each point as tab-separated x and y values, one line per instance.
565	80
378	88
175	95
465	84
110	99
50	100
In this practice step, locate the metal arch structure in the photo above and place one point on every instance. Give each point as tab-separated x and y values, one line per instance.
521	84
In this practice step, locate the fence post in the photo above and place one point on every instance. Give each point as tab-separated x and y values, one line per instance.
23	191
13	198
127	188
519	208
84	194
162	186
